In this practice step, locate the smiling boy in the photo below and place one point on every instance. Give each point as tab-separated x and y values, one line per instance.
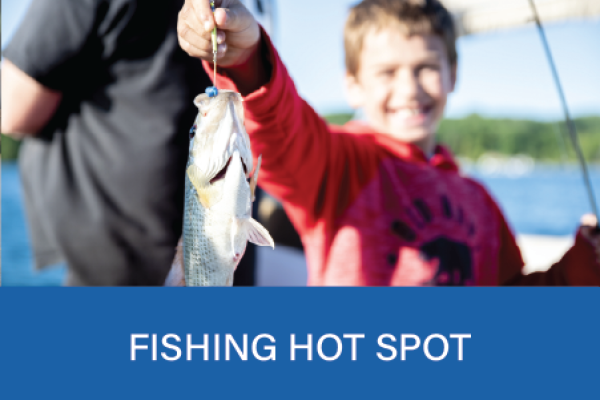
377	203
400	70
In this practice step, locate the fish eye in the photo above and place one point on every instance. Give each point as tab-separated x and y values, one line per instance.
192	131
203	104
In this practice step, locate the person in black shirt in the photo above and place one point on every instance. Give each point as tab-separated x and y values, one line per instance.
103	96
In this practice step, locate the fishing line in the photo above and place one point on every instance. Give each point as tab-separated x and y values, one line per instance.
214	44
212	91
570	124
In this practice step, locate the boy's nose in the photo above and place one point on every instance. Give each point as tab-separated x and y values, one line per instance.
407	85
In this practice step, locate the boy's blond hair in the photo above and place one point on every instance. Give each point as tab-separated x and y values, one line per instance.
412	17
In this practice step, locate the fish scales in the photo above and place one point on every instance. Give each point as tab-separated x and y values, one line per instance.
219	190
200	255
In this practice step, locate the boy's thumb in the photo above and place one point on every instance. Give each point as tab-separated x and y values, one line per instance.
591	221
232	19
202	10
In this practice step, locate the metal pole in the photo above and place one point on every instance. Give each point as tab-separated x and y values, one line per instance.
570	124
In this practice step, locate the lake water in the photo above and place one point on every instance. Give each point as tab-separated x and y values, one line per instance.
547	201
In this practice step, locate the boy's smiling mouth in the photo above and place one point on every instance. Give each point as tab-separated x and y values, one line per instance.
409	116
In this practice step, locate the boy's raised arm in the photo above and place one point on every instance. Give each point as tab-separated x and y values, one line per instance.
301	157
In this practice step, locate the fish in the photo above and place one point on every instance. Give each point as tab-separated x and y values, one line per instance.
219	190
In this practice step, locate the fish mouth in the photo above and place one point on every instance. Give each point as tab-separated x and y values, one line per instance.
221	174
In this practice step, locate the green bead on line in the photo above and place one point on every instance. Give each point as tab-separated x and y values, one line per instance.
213	93
214	32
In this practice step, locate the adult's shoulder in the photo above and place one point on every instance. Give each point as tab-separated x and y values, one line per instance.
48	44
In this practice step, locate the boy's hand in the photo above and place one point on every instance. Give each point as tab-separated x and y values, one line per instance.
238	33
588	230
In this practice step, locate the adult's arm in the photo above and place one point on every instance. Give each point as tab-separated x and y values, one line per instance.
27	105
45	59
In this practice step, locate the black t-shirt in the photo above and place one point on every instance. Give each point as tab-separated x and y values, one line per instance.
103	182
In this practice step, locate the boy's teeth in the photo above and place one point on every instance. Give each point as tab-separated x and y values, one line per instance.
404	113
408	112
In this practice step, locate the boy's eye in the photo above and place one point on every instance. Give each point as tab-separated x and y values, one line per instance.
387	73
429	67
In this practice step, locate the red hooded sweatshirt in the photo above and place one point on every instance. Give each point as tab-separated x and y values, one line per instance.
373	211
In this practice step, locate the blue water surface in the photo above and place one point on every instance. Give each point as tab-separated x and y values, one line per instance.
547	201
17	260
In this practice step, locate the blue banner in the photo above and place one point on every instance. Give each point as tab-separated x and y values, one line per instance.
285	343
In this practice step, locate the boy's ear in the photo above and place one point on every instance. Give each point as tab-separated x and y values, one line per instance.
354	91
452	77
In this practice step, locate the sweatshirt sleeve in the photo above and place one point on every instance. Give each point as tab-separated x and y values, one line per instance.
578	267
304	163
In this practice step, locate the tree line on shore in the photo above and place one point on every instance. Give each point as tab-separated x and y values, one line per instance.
474	135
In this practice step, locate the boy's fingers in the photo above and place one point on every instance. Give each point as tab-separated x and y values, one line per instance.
193	50
188	19
201	41
231	19
221	37
589	220
204	52
203	13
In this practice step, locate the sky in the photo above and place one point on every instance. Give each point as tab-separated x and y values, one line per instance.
500	74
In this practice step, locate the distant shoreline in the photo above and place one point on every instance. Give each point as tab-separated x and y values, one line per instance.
474	136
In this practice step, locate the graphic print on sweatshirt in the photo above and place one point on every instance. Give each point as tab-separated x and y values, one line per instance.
413	225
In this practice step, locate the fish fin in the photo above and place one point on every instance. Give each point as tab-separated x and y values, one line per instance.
176	276
206	196
257	233
254	179
238	246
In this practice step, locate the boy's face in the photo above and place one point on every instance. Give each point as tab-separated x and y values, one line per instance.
403	83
